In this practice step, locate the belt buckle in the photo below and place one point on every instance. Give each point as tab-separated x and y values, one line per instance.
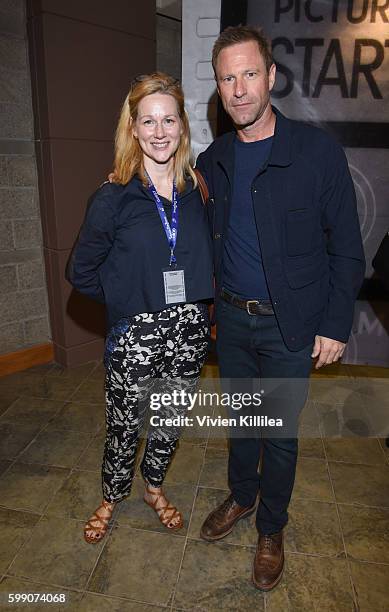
248	306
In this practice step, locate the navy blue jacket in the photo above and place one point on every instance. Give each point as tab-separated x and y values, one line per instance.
122	248
307	222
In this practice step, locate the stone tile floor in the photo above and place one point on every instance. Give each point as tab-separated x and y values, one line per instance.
337	539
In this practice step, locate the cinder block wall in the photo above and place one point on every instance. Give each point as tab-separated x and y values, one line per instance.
23	296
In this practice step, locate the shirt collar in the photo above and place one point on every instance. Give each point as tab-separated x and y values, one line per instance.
281	151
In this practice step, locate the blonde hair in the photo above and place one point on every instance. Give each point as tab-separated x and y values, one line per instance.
128	153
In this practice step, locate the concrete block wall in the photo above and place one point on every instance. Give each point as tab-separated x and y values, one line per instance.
200	28
23	296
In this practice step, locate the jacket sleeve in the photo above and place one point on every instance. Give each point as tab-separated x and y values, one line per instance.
91	249
344	246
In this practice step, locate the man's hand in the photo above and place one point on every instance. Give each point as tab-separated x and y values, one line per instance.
327	350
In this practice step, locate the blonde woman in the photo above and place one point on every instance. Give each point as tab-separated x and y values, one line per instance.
145	251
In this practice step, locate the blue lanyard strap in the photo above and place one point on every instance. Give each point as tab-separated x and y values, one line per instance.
171	231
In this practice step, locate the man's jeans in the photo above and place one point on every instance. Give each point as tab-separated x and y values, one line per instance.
251	347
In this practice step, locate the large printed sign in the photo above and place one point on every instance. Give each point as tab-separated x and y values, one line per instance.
332	55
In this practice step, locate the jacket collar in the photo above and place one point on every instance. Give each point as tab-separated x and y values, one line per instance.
226	154
135	186
281	151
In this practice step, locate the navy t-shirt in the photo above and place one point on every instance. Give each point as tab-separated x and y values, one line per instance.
243	272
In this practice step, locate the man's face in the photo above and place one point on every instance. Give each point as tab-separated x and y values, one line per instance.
243	82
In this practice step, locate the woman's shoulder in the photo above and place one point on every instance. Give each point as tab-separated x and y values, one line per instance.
109	190
195	193
103	203
107	194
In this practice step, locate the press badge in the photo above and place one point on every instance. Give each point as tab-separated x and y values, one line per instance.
174	282
173	279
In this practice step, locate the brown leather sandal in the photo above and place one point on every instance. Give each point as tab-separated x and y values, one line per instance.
167	513
98	523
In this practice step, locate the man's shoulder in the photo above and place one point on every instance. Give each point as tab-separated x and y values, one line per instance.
218	145
312	135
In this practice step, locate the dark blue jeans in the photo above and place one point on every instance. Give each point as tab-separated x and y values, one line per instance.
251	347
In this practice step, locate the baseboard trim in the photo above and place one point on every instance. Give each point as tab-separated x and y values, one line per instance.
26	358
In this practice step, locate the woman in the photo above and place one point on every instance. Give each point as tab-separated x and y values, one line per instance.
144	250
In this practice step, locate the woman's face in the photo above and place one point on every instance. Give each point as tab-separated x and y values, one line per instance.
158	127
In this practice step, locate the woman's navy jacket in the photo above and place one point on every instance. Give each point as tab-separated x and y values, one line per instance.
122	249
307	222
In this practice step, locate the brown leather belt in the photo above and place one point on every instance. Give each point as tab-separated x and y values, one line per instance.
252	307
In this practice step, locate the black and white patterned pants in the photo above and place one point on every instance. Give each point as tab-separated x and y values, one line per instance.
143	352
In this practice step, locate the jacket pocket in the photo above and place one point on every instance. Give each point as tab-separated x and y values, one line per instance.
300	230
309	289
303	276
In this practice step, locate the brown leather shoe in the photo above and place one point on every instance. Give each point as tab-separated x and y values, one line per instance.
268	561
221	521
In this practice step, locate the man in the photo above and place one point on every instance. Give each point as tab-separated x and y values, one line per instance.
288	264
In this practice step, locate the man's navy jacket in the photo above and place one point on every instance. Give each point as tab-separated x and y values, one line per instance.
307	222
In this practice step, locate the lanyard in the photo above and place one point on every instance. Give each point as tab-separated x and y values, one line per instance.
171	231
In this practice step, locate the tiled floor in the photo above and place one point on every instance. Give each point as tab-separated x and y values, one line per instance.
337	539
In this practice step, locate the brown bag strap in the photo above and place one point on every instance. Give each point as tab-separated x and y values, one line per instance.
202	185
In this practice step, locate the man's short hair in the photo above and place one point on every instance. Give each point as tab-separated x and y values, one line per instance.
234	35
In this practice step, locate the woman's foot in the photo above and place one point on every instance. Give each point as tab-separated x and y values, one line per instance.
169	516
96	528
